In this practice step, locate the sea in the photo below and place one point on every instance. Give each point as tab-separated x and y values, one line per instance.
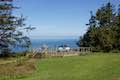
51	43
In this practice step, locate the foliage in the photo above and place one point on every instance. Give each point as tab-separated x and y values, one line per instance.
104	30
11	28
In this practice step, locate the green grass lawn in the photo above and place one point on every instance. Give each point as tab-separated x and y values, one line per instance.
89	67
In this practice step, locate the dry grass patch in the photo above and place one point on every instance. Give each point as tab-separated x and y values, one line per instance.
20	67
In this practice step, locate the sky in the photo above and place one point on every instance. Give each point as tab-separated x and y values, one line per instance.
58	18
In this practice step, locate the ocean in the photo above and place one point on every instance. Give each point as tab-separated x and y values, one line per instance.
53	43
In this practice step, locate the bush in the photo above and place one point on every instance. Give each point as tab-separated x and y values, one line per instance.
115	51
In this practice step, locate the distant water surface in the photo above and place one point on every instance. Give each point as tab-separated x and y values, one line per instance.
52	43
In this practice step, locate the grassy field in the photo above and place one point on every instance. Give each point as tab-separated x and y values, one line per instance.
89	67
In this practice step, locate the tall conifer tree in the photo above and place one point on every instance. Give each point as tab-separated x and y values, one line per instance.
11	27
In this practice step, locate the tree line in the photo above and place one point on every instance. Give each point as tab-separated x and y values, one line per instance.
103	32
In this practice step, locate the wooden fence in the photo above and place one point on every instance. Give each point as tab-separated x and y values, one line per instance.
72	52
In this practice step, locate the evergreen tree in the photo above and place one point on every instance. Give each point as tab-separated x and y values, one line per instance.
11	28
117	30
86	40
105	15
104	30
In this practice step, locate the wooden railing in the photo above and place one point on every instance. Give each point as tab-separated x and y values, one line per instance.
72	52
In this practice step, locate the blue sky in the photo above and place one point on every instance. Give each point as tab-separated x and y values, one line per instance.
58	18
